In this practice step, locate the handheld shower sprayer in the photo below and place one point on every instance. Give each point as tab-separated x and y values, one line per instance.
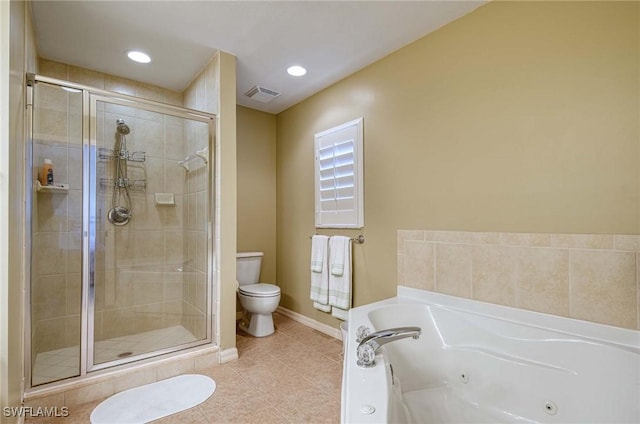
120	215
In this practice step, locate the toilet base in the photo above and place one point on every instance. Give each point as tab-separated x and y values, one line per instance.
260	325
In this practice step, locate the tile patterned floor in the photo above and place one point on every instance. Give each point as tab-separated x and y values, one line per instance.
292	376
63	363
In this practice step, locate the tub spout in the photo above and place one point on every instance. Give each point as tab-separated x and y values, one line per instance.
369	346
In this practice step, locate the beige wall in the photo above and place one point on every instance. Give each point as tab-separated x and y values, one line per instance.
226	201
18	56
256	134
519	117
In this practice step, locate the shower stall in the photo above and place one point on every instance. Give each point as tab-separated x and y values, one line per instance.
120	233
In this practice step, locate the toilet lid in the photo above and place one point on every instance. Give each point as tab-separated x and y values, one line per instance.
260	290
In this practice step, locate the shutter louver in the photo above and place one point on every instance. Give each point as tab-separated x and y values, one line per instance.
338	183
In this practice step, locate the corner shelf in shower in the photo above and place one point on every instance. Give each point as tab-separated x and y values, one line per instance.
203	155
56	188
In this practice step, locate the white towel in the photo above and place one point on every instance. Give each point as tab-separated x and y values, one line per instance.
322	307
340	285
320	280
318	252
340	313
337	251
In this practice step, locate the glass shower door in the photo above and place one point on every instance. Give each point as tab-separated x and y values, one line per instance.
120	229
56	232
151	212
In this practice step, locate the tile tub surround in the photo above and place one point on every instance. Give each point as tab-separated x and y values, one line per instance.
592	277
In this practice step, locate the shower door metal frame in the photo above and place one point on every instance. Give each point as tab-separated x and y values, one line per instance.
28	204
94	98
90	97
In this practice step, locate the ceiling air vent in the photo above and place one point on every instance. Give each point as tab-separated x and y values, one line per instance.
261	94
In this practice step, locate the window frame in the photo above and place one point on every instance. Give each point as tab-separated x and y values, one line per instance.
355	220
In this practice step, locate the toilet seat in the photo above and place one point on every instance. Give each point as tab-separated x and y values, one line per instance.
259	290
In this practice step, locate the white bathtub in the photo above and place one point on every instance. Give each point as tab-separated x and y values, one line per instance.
481	363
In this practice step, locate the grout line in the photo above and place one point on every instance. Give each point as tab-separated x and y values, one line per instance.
471	255
570	284
435	265
516	280
638	290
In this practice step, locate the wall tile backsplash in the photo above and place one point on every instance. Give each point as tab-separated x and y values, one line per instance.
592	277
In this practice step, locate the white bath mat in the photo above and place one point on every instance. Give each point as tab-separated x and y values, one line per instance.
156	400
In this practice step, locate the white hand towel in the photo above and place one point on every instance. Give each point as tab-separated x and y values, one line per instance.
340	285
322	307
340	313
320	280
318	252
337	249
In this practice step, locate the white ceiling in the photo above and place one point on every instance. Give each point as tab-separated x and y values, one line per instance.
332	39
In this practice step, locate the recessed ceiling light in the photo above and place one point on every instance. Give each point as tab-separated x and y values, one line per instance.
138	56
296	70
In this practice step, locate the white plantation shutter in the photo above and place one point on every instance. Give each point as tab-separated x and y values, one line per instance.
338	176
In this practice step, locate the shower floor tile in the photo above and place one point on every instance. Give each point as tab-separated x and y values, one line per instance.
64	363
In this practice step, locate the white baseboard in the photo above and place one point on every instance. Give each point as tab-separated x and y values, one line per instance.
323	328
228	355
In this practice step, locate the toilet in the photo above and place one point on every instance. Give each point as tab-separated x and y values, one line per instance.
260	300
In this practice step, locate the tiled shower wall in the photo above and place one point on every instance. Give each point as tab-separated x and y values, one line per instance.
201	94
137	264
156	298
194	289
592	277
56	222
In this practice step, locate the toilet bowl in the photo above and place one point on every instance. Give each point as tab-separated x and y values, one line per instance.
260	300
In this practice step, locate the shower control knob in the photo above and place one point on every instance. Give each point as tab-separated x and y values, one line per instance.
362	332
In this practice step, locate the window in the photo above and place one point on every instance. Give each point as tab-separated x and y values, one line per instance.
339	177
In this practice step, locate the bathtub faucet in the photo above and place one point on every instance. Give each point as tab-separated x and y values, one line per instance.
369	346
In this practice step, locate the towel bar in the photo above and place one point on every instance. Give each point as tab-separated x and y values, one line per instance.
358	240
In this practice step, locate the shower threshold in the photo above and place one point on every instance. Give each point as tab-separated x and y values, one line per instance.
64	363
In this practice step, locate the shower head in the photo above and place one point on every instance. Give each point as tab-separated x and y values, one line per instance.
122	128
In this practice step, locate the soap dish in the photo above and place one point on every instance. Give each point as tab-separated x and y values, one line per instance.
165	199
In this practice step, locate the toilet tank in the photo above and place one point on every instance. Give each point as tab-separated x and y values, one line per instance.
248	267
